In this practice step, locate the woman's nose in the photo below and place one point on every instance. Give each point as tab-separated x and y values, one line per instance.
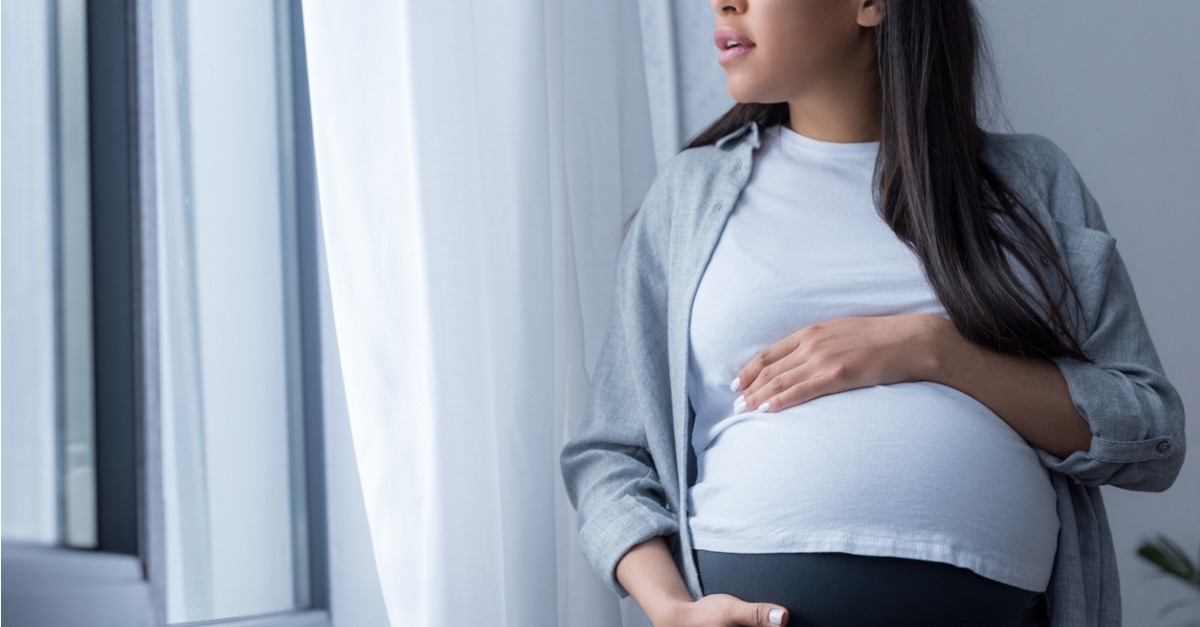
728	6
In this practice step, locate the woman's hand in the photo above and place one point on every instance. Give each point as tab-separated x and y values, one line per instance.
838	355
722	610
649	575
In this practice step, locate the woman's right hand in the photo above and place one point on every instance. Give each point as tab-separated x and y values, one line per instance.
649	575
723	610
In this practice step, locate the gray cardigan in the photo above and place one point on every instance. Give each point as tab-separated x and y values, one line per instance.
628	468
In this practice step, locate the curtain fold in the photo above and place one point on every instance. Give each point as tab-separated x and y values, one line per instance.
475	162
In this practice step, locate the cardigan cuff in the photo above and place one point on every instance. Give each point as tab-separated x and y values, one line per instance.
1125	417
615	528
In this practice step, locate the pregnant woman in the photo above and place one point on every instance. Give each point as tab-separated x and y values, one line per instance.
867	363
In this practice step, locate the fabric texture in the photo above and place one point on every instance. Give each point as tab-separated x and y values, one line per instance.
631	461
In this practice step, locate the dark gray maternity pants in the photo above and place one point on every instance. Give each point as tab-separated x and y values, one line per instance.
842	589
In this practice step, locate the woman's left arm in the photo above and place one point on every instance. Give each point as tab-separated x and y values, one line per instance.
1030	394
1134	436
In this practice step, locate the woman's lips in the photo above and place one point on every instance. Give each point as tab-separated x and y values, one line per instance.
731	43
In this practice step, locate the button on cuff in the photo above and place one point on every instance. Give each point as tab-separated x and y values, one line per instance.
1124	452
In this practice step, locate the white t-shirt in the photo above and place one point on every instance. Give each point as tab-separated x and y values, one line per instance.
917	470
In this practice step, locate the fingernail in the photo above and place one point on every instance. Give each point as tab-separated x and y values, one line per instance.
765	406
736	384
739	405
775	616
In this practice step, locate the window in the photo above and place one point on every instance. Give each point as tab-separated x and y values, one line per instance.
232	435
161	426
48	483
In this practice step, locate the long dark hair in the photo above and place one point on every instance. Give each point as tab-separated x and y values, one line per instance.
934	189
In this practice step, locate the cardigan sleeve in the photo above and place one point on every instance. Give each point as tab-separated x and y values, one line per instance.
609	473
1135	414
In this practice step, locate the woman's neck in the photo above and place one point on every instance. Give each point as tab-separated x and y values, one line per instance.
845	109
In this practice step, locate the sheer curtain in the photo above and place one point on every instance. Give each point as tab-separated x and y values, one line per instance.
475	161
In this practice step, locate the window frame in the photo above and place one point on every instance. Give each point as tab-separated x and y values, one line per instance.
122	581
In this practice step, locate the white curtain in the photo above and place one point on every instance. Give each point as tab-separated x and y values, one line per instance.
475	161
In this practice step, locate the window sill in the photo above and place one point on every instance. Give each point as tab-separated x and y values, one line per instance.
57	586
299	618
63	587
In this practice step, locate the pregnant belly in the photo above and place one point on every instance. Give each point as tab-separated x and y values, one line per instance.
912	470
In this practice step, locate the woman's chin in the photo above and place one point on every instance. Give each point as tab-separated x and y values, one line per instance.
744	93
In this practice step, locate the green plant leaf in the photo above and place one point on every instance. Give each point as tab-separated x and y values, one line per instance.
1169	558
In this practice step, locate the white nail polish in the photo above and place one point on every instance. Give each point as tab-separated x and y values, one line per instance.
765	406
736	384
739	405
775	616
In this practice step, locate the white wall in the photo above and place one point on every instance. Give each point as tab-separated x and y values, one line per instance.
1116	84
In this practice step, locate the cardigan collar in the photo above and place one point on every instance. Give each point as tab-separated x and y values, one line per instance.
748	132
